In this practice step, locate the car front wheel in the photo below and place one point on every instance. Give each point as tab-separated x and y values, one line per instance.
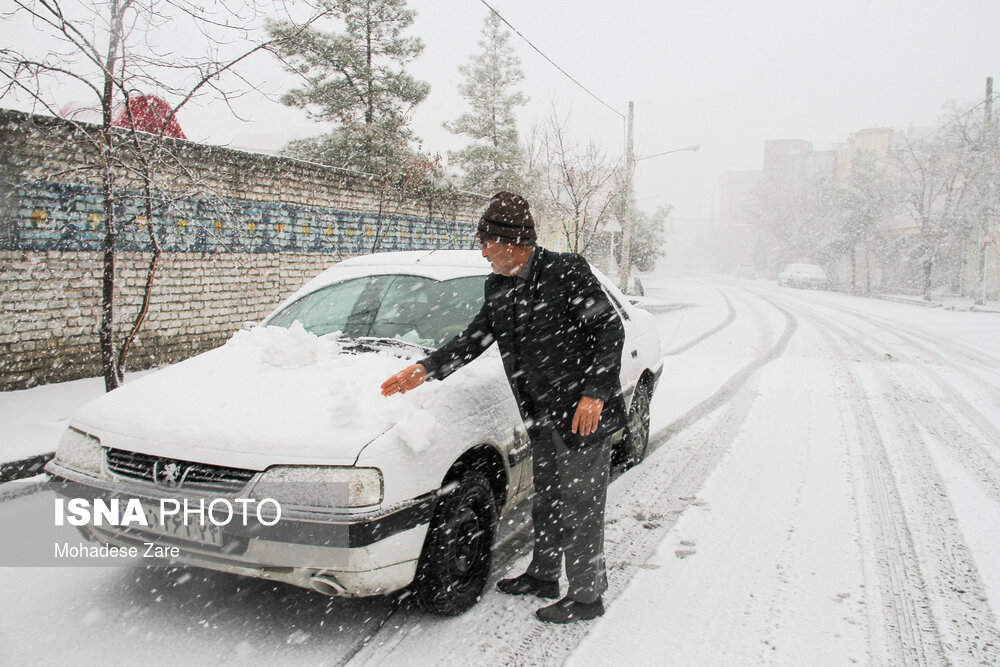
455	561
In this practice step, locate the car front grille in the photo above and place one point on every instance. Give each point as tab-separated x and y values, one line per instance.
176	474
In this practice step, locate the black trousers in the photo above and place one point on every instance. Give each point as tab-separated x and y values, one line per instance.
570	475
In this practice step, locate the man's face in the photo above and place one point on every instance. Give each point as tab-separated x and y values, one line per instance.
506	258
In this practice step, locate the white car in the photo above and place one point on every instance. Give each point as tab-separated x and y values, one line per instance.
804	275
290	411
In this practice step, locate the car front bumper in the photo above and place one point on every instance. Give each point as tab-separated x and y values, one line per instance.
342	554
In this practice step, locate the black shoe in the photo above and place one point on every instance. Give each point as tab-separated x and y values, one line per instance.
569	610
529	585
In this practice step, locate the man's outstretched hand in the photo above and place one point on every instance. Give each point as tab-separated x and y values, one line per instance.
588	415
409	378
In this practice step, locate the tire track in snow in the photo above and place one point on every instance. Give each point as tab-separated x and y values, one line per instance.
933	595
911	634
505	630
727	320
731	386
978	456
927	343
971	353
972	453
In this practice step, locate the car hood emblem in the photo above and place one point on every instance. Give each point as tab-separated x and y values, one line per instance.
169	473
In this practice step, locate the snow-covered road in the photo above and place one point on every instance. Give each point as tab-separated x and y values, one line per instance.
824	488
854	518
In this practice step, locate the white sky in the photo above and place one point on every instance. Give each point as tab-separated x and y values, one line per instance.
726	75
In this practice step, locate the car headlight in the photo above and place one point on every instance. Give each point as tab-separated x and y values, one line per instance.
320	486
80	451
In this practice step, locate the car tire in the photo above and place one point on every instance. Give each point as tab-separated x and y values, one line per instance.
633	447
455	561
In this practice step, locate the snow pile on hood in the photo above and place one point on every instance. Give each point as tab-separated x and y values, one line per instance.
274	395
353	401
282	348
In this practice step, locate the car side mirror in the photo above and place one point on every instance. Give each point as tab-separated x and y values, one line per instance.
248	325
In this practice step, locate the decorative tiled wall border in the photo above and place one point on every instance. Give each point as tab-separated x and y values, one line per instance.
61	216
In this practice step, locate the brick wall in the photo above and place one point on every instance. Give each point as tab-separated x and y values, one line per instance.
239	232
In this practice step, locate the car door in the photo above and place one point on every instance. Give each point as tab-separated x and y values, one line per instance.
632	362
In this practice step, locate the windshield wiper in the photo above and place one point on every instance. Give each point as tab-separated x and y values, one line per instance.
372	343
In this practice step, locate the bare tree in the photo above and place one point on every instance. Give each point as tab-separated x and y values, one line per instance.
114	51
570	183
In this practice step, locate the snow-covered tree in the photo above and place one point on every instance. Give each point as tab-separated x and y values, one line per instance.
938	175
120	53
356	79
492	160
979	131
866	201
797	221
649	237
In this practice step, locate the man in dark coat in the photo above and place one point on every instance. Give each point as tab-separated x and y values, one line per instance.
561	342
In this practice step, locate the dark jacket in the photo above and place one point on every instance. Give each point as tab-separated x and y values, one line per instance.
566	344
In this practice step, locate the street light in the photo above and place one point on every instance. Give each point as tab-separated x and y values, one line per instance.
676	150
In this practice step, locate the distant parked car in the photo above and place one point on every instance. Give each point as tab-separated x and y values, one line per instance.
288	408
804	275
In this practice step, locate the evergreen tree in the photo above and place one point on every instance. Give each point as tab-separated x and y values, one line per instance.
649	238
492	160
356	79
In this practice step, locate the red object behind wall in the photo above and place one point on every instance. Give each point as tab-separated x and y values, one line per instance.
148	113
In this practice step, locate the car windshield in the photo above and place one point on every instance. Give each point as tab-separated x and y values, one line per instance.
411	309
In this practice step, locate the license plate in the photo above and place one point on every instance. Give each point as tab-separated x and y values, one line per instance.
173	525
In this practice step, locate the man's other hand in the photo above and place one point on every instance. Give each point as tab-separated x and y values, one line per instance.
410	377
588	414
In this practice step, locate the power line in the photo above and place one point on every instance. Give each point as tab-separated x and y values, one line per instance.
948	123
564	72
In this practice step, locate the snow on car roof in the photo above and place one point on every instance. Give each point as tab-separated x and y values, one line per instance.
435	264
452	258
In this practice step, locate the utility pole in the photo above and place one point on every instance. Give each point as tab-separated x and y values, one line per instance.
629	222
626	264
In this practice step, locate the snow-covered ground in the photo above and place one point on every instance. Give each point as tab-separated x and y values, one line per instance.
823	488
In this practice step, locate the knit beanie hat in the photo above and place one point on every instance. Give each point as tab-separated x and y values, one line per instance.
508	220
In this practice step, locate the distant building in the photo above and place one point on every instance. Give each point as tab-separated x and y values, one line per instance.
738	215
793	161
793	164
736	203
879	141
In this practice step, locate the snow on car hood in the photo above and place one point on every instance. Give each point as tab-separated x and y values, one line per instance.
270	395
